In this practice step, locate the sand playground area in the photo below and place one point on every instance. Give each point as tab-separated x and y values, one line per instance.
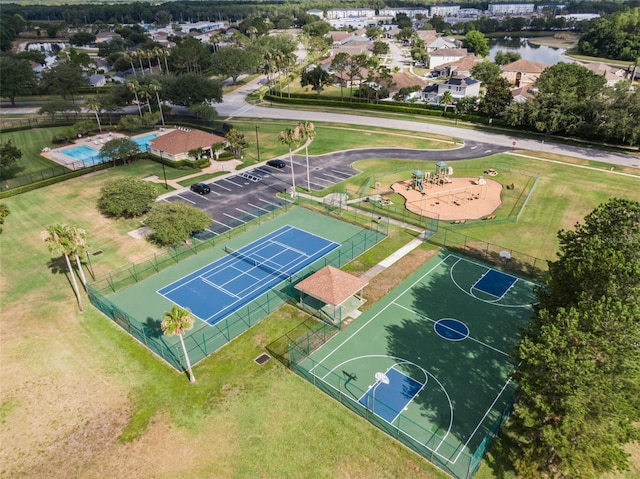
455	199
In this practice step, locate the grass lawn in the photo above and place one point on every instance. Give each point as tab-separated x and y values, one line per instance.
31	142
80	398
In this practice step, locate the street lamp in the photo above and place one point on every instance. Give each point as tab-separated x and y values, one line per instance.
381	378
258	143
164	173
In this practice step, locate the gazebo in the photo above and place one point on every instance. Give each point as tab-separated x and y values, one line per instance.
331	294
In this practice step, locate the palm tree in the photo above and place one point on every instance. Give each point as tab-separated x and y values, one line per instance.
56	236
446	99
139	54
289	137
156	52
129	57
134	86
148	54
93	103
156	87
145	92
307	133
177	321
77	238
164	53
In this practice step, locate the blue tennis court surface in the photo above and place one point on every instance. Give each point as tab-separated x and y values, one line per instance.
387	398
495	283
224	286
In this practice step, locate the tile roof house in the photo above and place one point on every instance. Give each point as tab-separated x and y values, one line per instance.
176	144
459	88
459	68
612	74
446	55
522	72
522	94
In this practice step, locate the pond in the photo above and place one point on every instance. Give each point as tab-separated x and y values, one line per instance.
528	51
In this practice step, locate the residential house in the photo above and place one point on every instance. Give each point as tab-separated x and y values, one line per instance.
176	144
36	67
522	94
612	74
522	72
339	38
103	37
459	88
405	80
446	55
97	80
459	68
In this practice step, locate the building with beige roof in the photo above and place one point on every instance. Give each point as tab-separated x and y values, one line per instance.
176	144
522	72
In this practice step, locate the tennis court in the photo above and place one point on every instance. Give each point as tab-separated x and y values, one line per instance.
218	289
429	364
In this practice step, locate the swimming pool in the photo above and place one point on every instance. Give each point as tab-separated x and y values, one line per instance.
88	156
144	142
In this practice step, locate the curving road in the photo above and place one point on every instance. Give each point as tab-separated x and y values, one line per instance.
234	105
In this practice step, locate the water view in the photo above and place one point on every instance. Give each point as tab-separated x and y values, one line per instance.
529	51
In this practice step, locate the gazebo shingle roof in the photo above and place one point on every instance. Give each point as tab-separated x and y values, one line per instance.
180	141
331	285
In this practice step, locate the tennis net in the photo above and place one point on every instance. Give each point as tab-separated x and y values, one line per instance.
258	264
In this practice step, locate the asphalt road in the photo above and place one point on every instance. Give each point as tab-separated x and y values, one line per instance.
234	105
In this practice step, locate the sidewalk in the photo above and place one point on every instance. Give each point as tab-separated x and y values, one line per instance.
393	257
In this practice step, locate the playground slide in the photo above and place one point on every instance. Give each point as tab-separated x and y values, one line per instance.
419	185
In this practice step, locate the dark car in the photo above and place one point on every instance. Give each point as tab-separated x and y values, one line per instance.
201	188
276	163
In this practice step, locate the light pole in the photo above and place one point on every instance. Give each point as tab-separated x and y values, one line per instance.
164	173
381	378
258	143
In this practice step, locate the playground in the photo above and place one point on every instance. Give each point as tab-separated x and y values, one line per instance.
439	195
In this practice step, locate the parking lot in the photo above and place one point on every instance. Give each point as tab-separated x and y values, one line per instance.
239	198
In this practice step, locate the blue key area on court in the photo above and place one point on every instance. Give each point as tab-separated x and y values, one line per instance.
218	289
388	397
495	283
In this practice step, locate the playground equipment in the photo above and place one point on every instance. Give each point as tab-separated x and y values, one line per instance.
417	179
442	173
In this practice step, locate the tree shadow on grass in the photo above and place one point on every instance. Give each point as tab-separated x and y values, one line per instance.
59	266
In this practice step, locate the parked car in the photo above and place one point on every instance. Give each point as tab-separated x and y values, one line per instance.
201	188
276	163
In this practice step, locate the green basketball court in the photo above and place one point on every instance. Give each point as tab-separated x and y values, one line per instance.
429	364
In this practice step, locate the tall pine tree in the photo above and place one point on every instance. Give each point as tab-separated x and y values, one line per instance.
579	379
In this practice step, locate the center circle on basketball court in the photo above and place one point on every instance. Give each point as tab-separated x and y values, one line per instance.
451	329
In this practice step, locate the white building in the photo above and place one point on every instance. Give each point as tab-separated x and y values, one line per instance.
511	8
446	55
315	12
459	88
409	12
337	13
352	22
445	10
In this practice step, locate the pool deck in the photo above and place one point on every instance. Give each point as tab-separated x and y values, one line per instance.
95	142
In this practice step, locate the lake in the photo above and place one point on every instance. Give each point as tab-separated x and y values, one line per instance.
528	51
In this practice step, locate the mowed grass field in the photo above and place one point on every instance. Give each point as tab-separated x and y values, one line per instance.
80	398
